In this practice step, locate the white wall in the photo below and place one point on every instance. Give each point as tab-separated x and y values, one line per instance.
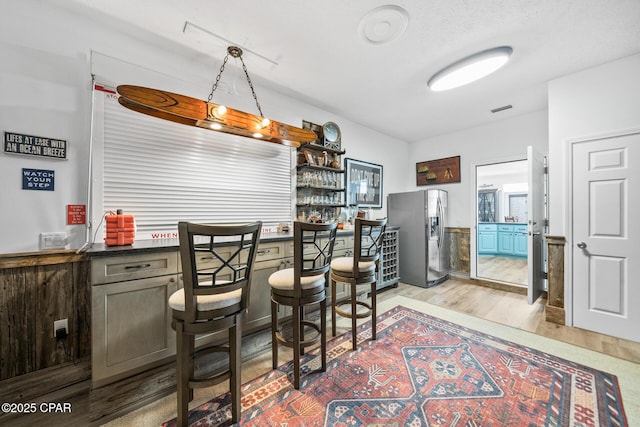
45	90
599	100
503	140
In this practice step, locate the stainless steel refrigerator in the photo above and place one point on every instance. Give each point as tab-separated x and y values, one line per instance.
422	218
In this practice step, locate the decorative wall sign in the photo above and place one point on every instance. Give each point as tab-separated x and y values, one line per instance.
317	129
363	183
38	179
17	143
76	214
441	171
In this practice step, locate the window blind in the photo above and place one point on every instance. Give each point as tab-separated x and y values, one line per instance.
163	172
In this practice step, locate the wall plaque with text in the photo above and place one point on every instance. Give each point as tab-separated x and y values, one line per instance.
29	145
38	179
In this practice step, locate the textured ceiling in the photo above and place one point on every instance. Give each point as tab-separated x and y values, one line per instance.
324	53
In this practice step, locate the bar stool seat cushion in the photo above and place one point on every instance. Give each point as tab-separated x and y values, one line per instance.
345	265
206	302
283	280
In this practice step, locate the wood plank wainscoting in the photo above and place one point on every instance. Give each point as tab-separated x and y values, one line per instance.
457	239
554	310
38	288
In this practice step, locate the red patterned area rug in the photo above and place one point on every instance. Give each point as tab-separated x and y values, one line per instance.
424	371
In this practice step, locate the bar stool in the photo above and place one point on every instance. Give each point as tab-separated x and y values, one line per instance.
300	287
217	264
360	269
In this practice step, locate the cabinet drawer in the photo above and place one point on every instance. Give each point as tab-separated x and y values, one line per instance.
487	227
122	268
341	244
505	227
269	251
522	228
265	252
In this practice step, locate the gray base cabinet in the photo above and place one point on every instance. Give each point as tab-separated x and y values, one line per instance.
131	318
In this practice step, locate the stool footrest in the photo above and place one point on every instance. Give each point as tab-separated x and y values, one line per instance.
210	380
348	314
307	342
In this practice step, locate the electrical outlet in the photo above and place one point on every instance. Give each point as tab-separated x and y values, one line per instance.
55	240
60	324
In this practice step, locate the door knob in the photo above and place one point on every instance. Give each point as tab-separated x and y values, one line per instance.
582	245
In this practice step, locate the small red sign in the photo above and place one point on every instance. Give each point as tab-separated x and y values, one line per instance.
76	214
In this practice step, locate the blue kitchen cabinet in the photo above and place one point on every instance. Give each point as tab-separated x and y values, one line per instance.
520	240
512	240
505	239
487	239
502	239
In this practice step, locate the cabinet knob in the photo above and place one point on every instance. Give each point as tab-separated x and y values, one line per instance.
582	245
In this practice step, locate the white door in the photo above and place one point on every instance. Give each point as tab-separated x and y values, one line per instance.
605	246
535	203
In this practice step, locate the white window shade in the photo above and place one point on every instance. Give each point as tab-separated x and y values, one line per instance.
163	172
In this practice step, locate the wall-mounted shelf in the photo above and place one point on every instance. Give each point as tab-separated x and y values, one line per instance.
319	168
320	183
321	187
318	147
318	205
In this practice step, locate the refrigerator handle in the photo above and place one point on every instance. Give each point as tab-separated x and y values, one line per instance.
440	223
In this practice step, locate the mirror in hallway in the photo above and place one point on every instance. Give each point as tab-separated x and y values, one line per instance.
501	222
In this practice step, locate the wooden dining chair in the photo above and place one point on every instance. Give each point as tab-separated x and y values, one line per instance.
301	287
356	271
214	297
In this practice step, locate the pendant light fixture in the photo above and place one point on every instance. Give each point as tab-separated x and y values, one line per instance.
470	69
208	115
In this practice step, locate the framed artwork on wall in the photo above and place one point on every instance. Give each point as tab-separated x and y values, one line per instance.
441	171
363	183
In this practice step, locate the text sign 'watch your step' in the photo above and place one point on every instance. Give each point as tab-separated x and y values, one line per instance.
38	179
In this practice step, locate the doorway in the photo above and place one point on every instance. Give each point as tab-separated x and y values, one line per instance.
501	222
605	237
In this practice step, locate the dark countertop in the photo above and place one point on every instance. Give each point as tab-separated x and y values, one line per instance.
506	223
164	245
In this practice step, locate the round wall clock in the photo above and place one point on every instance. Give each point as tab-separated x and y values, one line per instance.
331	134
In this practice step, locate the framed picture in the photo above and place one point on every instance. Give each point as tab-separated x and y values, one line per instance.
441	171
363	183
311	160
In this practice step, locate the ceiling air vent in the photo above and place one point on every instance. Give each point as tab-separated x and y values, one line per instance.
504	107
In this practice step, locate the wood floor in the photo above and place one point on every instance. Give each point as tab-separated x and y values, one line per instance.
456	294
503	269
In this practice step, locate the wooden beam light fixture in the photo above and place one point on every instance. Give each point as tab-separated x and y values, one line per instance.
208	115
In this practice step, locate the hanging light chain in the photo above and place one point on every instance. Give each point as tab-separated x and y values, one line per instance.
236	52
215	83
246	73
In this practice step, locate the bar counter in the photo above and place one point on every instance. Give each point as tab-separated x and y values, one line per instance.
161	245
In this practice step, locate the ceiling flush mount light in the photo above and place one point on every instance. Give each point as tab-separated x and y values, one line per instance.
208	115
470	69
